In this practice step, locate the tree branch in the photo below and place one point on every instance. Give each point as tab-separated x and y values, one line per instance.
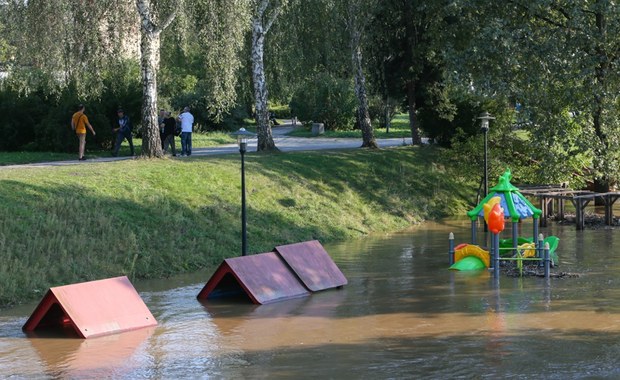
540	16
168	21
261	8
272	18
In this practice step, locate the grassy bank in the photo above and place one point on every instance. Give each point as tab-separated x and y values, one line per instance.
154	218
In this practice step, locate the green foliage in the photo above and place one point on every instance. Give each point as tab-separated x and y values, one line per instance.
78	52
281	111
40	120
381	110
535	155
458	119
325	99
201	59
309	38
7	51
399	129
556	60
561	150
17	119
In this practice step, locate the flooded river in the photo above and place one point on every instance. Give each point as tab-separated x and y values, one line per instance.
402	315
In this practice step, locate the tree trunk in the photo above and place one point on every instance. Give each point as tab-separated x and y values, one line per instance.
265	137
151	140
149	62
387	116
363	117
416	139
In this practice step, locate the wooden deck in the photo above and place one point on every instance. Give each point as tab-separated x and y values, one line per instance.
555	197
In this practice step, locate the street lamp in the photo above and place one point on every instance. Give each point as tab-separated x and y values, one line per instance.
484	121
484	127
242	139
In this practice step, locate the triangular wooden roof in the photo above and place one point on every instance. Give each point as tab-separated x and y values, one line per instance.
92	308
290	271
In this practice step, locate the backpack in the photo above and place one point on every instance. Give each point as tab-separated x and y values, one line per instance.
178	129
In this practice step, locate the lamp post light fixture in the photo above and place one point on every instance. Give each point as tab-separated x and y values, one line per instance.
484	121
242	140
484	127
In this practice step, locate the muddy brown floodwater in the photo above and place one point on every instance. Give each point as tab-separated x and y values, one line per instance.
402	315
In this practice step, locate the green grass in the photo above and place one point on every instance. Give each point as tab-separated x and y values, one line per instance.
16	158
155	218
199	140
400	128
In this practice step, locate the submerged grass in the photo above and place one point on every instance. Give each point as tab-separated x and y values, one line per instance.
154	218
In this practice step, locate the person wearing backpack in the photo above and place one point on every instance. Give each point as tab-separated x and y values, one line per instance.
79	122
122	132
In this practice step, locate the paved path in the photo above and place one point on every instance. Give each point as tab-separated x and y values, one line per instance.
289	144
283	142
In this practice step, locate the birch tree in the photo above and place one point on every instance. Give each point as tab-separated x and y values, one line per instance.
356	22
263	17
150	32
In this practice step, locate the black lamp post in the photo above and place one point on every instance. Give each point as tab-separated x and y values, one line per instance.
484	127
484	121
242	139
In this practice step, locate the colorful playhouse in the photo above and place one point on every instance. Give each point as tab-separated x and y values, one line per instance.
504	202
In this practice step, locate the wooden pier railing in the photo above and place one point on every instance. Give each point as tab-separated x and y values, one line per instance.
555	196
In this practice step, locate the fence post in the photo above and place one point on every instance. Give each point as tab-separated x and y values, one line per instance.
547	261
496	258
451	248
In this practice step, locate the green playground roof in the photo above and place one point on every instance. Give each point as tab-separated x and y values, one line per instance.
515	205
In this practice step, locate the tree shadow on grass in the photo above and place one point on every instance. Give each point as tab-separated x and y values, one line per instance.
54	235
366	172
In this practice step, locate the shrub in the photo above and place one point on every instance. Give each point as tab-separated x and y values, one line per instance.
232	120
19	117
43	122
325	99
281	111
461	121
381	111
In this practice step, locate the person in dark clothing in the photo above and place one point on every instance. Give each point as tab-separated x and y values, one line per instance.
160	122
170	125
122	132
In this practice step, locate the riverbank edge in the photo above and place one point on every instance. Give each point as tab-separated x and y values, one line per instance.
157	218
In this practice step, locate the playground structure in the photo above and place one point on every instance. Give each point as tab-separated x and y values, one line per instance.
504	202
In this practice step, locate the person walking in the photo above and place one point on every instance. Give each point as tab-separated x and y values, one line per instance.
79	122
187	123
122	132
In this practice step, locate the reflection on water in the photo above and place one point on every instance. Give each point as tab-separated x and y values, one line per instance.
403	315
